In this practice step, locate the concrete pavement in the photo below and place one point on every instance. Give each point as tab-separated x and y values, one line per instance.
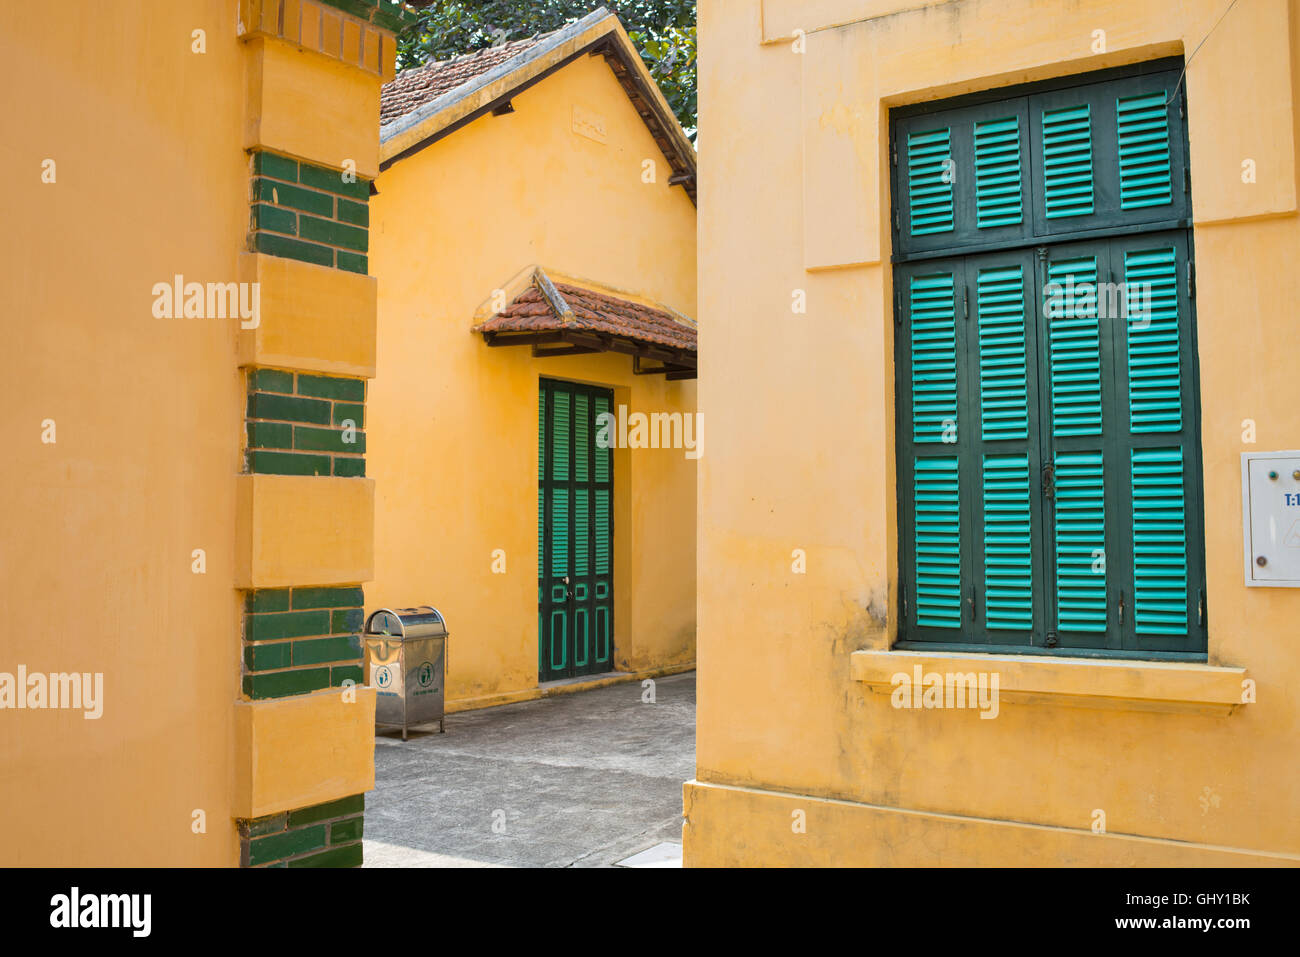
576	780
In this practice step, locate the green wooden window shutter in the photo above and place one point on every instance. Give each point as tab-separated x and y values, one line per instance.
1043	162
1076	359
998	173
1067	161
929	181
1145	174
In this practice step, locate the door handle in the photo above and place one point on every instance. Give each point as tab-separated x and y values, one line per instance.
1049	481
568	589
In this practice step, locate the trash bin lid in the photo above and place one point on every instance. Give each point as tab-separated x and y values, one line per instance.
423	621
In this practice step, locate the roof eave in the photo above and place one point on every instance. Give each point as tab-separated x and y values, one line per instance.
599	32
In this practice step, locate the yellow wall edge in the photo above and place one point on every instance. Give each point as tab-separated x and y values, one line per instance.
310	107
311	318
304	750
296	530
729	826
1125	685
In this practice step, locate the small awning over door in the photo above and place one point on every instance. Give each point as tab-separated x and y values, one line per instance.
561	319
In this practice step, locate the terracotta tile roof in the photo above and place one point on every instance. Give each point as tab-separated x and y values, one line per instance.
593	311
412	89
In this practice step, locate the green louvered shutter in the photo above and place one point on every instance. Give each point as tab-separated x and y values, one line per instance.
1067	162
1145	174
998	174
1004	456
1049	477
1161	495
933	524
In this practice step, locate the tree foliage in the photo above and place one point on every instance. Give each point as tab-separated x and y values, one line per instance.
663	30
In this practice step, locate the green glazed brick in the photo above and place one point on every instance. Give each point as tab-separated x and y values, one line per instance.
289	624
343	831
349	468
358	214
267	599
274	166
336	234
347	856
322	812
347	619
281	684
321	650
327	597
344	411
289	408
275	219
267	657
352	262
332	387
287	248
270	380
257	827
270	435
282	194
342	673
262	462
276	847
328	440
318	177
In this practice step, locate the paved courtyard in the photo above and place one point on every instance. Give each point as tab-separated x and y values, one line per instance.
576	780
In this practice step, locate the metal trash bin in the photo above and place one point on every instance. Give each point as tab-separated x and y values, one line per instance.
406	661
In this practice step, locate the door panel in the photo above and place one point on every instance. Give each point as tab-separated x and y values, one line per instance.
575	580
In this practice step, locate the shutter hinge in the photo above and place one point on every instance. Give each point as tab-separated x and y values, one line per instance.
1121	607
898	306
897	225
894	150
1187	179
1191	279
902	592
1182	103
965	305
1200	607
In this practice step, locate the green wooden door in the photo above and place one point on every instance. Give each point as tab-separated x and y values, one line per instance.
575	530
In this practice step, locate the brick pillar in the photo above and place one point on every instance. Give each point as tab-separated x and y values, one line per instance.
305	523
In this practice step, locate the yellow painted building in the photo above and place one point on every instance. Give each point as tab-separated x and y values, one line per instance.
871	171
188	518
534	227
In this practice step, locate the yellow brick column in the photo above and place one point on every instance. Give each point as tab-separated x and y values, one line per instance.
304	535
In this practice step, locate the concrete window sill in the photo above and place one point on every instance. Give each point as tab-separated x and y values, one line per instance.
1178	687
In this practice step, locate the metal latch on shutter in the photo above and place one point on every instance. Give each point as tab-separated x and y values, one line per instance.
1049	481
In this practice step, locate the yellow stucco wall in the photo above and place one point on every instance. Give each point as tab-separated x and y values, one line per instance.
452	424
146	119
795	195
95	572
